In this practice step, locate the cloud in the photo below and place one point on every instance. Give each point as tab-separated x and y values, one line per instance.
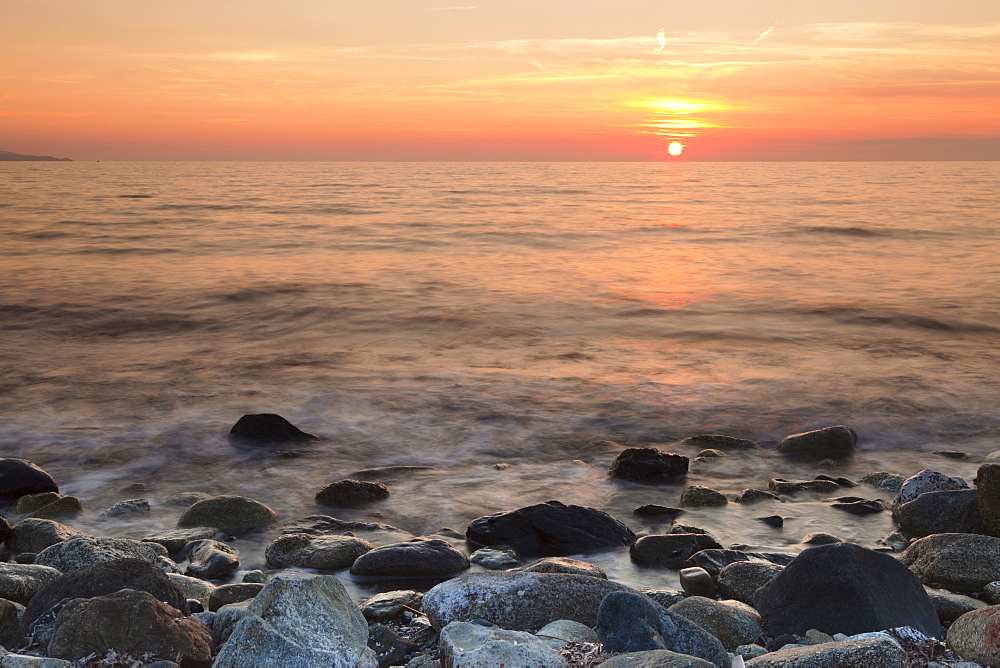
763	35
452	9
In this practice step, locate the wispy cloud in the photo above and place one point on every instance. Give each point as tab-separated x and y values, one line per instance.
456	8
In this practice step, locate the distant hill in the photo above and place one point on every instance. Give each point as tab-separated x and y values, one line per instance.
7	155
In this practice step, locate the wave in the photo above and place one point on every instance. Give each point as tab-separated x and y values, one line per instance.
845	231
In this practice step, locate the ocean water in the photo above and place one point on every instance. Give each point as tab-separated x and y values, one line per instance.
493	320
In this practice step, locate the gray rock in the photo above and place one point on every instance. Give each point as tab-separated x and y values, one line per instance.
558	633
871	652
390	605
129	508
696	581
63	507
958	562
740	580
988	482
820	538
564	565
974	636
885	481
464	644
926	481
749	496
299	619
255	576
669	550
719	442
496	558
34	535
210	559
30	661
732	622
417	558
20	582
232	593
950	607
175	540
191	587
629	622
265	430
228	512
954	511
83	551
226	618
322	552
352	493
657	658
836	441
698	496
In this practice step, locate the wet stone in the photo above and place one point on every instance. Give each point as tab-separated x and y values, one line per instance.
498	557
352	493
653	510
267	429
719	442
129	508
175	540
648	465
749	496
699	496
858	506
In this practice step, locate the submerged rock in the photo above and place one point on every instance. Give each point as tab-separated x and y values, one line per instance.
266	429
654	510
129	508
352	493
228	512
836	441
719	442
782	486
648	465
375	533
175	540
883	480
749	495
19	477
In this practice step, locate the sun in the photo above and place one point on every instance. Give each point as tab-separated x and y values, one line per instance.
675	148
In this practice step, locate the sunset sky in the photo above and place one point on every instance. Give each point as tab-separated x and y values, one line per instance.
491	80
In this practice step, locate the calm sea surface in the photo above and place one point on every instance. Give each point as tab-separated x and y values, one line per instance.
491	320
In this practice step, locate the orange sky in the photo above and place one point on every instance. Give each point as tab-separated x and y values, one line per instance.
485	80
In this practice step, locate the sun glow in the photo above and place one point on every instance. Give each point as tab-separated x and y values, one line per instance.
675	148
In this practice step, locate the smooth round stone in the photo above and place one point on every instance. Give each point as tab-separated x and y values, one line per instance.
390	605
838	441
496	558
564	565
352	493
255	577
821	538
417	558
232	593
19	477
322	552
699	496
228	512
697	581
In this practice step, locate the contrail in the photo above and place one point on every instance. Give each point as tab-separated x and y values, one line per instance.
763	35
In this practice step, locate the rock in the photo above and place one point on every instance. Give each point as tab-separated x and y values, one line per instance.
871	652
496	558
776	521
267	429
657	658
749	495
4	529
564	565
232	593
129	508
751	651
210	559
814	637
836	441
732	622
10	624
955	511
308	551
191	587
20	582
741	579
790	487
31	502
799	598
648	465
390	605
186	499
299	620
992	591
83	551
324	525
34	535
255	576
858	506
551	529
464	644
19	477
653	510
958	562
352	493
226	619
709	456
133	622
697	581
628	622
719	442
663	597
975	636
926	481
521	601
988	484
885	481
558	633
102	579
820	538
228	512
714	560
31	661
843	482
417	558
390	472
687	528
669	550
698	496
389	647
175	540
950	607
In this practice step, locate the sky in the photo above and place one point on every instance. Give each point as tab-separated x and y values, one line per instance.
512	80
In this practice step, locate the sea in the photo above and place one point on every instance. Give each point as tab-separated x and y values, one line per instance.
498	323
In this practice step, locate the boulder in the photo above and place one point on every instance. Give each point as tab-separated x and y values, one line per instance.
267	429
564	565
307	551
4	529
129	508
520	601
228	512
669	550
629	622
800	597
10	625
464	644
741	580
732	622
210	559
656	658
697	496
83	551
955	511
34	535
926	481
975	636
351	493
836	441
715	560
299	619
417	558
648	465
375	533
551	529
750	495
390	605
19	477
175	540
664	597
950	607
958	562
20	582
105	578
988	484
233	593
132	622
719	442
869	652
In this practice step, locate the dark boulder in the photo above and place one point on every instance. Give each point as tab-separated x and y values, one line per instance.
714	561
836	441
264	429
228	512
19	477
551	529
417	558
670	550
648	465
845	588
351	493
954	511
654	510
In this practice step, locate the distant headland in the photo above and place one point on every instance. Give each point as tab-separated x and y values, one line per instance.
7	155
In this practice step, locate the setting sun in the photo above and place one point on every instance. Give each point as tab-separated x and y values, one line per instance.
675	148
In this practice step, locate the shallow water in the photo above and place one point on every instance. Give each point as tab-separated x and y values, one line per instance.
465	315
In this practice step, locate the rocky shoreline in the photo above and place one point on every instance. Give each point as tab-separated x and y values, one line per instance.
927	595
